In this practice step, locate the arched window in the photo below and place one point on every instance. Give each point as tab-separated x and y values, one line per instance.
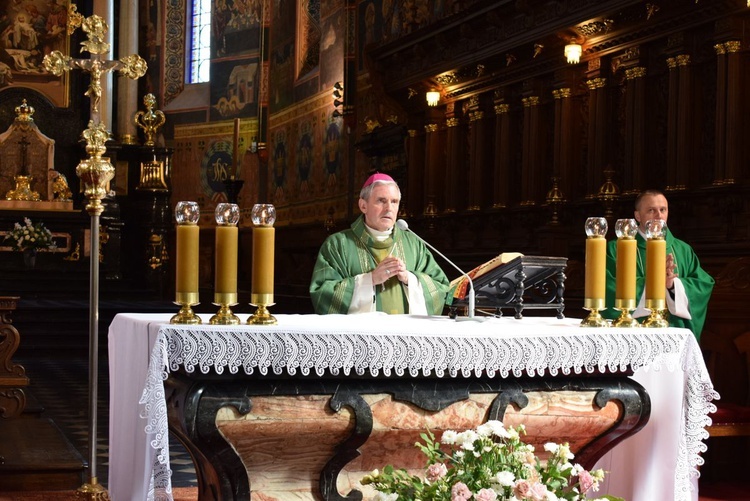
200	42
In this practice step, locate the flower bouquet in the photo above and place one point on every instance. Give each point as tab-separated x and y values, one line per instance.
30	236
490	463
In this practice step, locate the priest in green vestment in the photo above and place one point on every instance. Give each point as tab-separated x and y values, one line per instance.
375	266
688	285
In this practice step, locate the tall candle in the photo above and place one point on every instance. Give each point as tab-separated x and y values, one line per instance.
226	259
596	268
627	249
656	269
263	255
186	280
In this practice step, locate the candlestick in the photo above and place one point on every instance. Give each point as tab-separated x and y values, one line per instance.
263	217
627	250
187	215
225	285
596	271
656	273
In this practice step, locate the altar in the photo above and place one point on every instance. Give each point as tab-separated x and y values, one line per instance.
302	409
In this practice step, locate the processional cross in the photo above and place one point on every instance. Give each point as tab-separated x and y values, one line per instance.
95	172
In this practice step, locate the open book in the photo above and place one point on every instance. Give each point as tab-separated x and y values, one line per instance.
461	285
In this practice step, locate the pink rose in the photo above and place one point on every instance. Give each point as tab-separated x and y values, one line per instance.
436	472
460	492
538	492
486	495
585	480
522	489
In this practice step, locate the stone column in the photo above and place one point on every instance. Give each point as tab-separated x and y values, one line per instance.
127	88
562	164
728	113
635	134
430	170
502	177
530	169
454	168
415	169
597	141
679	122
477	175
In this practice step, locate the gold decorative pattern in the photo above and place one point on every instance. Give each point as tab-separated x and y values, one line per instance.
671	63
596	83
683	59
476	115
501	109
720	49
633	73
431	128
733	46
530	101
452	122
561	93
149	120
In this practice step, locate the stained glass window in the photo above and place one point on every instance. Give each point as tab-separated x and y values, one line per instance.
200	42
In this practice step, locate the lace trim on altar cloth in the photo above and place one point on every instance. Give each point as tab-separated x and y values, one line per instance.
697	405
293	351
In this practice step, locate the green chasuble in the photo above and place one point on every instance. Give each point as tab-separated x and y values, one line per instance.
352	252
697	283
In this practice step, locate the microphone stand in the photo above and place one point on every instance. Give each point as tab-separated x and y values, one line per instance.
472	298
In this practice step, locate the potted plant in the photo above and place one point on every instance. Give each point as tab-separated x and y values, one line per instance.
29	238
490	463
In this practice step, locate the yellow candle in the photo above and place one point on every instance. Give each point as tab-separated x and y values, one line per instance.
186	280
656	269
226	259
596	268
627	249
263	253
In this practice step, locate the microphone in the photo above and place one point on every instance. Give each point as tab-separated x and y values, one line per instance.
404	226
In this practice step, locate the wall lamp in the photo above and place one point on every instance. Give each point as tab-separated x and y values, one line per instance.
573	53
433	98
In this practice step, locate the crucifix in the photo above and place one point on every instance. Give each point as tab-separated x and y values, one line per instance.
95	172
23	156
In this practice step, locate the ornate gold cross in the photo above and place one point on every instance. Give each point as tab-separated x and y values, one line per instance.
96	171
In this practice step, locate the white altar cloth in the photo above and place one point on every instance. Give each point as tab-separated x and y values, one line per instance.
659	462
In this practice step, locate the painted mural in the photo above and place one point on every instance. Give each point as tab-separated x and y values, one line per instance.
235	27
30	29
234	89
386	20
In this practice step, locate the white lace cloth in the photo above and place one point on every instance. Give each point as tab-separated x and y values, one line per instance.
379	344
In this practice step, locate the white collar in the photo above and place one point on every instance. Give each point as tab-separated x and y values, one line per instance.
377	235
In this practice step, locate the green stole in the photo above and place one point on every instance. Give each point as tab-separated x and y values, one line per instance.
390	293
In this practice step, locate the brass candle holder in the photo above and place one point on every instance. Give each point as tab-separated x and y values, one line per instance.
261	296
656	275
23	190
187	215
225	291
627	250
596	271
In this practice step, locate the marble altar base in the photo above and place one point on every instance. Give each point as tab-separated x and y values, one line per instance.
315	439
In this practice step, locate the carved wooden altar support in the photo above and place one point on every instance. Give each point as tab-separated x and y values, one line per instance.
310	438
34	453
13	380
